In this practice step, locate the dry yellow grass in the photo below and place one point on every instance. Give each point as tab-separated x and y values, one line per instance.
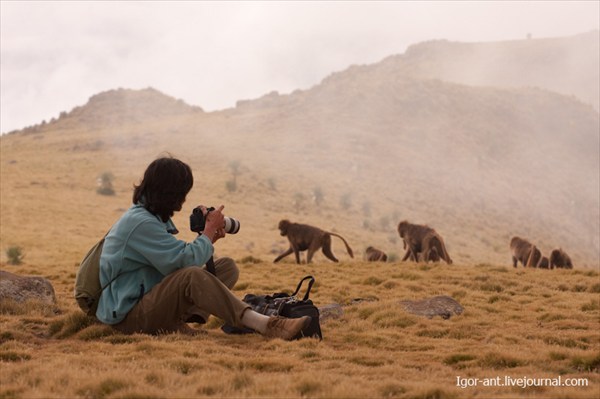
517	323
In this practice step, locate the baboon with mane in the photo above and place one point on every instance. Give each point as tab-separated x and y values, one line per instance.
525	252
304	237
375	255
421	241
560	259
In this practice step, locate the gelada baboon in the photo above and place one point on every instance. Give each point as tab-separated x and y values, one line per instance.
525	252
303	237
560	259
422	241
375	255
544	263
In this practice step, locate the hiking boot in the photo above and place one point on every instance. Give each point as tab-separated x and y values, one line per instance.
284	328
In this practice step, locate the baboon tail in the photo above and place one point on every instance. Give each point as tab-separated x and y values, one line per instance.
345	243
444	253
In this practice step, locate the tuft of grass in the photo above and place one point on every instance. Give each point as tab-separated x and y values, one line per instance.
308	387
557	356
367	361
393	318
183	367
499	361
433	333
30	306
392	391
102	390
594	288
95	332
407	276
548	317
71	324
586	364
496	298
11	394
250	259
154	379
579	288
491	287
241	380
436	393
371	280
566	342
593	306
458	358
269	366
11	356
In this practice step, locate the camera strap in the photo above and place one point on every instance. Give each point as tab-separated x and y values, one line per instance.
210	266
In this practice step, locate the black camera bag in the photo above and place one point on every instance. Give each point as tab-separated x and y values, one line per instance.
285	305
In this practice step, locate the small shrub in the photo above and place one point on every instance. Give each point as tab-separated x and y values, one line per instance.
105	186
366	208
318	196
15	255
231	186
346	201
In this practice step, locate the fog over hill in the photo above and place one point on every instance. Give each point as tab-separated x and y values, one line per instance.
427	136
567	65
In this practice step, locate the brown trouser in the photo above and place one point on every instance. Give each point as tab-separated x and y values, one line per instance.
187	294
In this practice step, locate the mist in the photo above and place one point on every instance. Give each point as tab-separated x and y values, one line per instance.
55	55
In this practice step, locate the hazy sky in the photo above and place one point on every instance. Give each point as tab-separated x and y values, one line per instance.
55	55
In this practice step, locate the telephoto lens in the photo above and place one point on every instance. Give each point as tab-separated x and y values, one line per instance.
232	226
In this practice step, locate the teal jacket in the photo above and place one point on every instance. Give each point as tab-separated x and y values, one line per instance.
140	251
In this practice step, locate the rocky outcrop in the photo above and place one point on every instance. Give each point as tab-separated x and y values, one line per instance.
443	306
23	288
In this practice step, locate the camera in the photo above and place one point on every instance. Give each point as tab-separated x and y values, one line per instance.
198	221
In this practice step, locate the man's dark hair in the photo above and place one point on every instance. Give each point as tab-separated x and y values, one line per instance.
166	183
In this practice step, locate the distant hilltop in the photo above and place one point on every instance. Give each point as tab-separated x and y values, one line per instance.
122	106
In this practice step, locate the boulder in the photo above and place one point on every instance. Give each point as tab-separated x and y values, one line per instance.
443	306
330	311
22	288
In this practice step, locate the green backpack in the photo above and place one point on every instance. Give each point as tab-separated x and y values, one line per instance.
87	282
